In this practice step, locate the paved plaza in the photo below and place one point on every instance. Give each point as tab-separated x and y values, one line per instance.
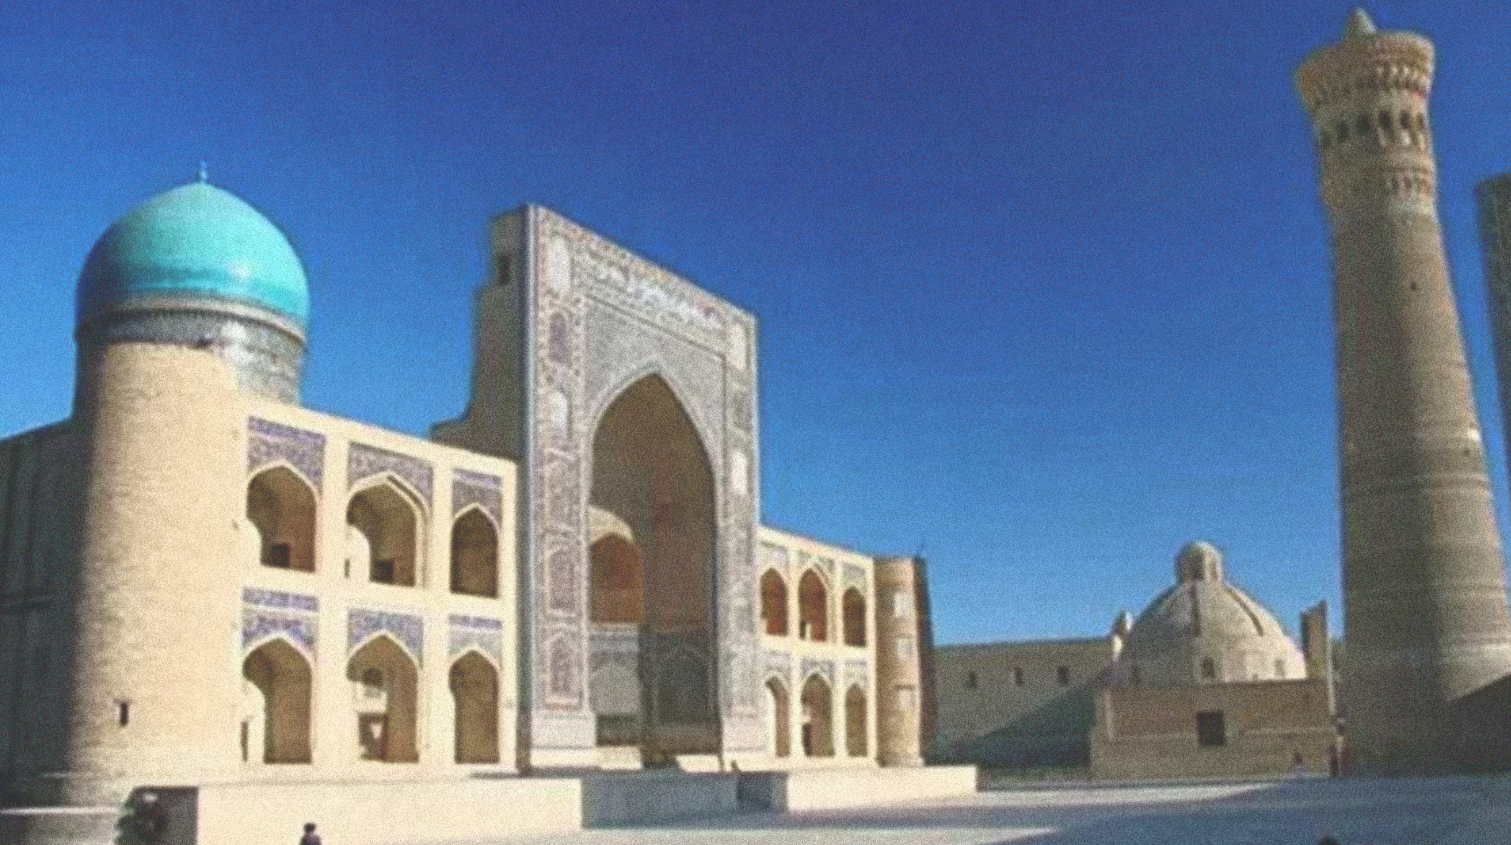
1442	811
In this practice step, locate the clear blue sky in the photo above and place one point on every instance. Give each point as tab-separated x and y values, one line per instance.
1043	287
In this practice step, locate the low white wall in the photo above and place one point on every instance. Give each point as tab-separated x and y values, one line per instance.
834	789
650	796
396	813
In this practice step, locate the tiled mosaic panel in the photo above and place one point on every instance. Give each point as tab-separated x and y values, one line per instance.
269	442
484	634
269	613
473	488
366	461
363	625
855	576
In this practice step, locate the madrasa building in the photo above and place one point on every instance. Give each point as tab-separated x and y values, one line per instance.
216	593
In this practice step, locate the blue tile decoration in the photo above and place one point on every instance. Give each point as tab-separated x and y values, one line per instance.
258	626
269	442
280	601
363	462
486	635
266	614
475	488
818	667
363	625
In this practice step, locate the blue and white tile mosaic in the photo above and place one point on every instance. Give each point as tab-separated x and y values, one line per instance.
475	488
269	442
778	663
282	601
774	557
364	462
485	635
266	614
363	625
855	576
857	673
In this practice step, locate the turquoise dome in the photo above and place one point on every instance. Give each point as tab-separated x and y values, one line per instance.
194	242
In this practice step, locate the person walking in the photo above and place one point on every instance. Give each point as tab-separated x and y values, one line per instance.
310	837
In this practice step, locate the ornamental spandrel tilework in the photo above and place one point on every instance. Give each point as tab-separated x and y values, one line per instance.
469	632
407	629
475	488
267	614
363	462
269	442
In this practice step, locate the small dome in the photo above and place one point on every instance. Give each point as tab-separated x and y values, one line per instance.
195	242
1206	630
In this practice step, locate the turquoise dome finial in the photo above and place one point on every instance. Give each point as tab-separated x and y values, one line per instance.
196	245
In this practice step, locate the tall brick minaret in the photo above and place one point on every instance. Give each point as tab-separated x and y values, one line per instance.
1494	200
1424	585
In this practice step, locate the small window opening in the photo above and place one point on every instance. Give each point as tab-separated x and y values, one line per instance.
1062	675
123	713
1017	676
1211	729
970	680
1385	121
383	571
1361	125
1208	669
1406	120
279	555
502	267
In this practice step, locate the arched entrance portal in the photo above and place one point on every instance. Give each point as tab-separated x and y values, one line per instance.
651	473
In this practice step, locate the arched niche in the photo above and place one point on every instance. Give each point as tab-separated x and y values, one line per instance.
474	691
281	507
773	604
855	722
474	555
853	614
652	473
813	607
818	718
278	731
384	701
383	535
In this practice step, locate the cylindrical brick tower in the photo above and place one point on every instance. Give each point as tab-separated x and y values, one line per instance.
902	652
1424	586
151	699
